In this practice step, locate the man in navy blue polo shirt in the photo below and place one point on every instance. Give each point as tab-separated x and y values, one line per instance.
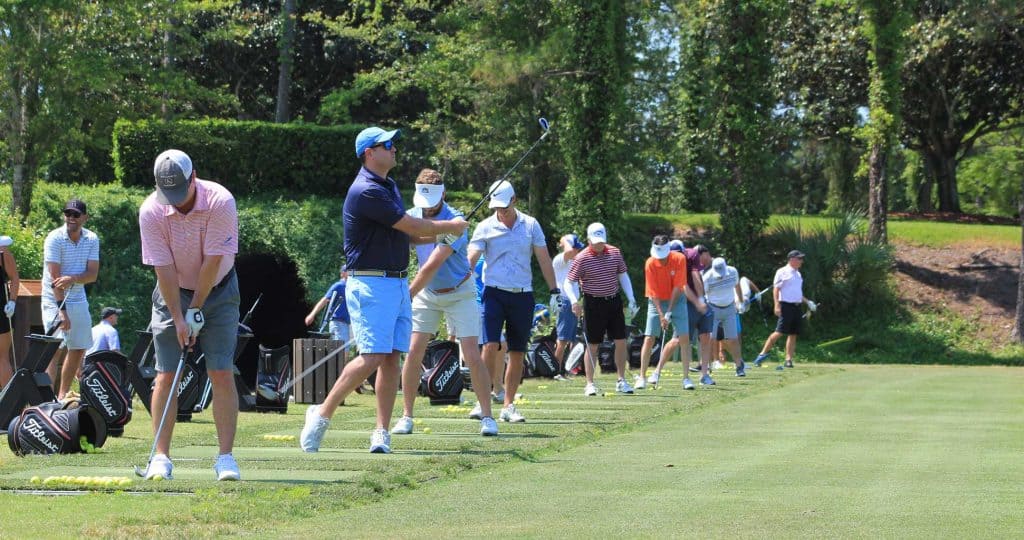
377	232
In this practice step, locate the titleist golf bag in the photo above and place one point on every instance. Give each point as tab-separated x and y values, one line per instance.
56	428
606	356
190	386
636	343
540	359
273	371
442	377
105	387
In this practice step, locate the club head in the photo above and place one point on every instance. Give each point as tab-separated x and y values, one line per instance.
268	393
543	124
7	240
141	473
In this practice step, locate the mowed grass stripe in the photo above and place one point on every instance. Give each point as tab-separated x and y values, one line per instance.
868	452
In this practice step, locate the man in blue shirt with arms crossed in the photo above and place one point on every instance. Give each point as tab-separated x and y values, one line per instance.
377	232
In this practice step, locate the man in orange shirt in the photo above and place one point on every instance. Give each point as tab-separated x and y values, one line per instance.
665	276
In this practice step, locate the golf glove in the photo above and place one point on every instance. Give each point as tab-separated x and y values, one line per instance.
631	311
812	306
447	239
195	320
9	309
555	304
741	307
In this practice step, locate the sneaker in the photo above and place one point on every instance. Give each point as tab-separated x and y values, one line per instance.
789	364
314	429
590	390
639	382
741	370
403	426
717	365
510	414
560	378
780	367
687	384
488	427
707	380
160	466
653	379
477	413
695	369
226	468
380	441
760	358
498	398
623	387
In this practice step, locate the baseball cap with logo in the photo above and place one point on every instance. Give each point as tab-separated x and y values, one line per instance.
427	195
575	242
501	194
597	234
372	136
796	254
173	172
77	205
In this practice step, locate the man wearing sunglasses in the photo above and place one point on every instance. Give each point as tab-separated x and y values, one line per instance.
71	258
377	231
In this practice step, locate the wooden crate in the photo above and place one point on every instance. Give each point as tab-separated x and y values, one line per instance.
314	387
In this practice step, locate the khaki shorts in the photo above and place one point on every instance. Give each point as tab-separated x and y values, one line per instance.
459	308
80	334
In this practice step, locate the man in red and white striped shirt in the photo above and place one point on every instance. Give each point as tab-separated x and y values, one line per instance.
599	271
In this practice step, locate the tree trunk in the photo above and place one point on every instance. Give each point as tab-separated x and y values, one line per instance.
945	177
284	63
925	201
877	195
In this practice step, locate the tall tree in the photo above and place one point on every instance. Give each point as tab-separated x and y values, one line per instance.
590	133
963	77
884	23
284	62
731	93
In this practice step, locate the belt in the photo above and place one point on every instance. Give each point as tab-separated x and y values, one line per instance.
727	306
447	290
511	289
223	281
595	297
790	303
380	273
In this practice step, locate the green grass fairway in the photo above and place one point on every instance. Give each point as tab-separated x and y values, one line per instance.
819	451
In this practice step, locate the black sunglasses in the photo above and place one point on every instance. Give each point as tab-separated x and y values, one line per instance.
388	145
73	213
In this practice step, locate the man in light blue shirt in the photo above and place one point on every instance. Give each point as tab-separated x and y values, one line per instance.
443	286
507	240
104	335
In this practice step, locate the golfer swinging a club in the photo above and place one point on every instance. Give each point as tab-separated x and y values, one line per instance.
377	232
189	233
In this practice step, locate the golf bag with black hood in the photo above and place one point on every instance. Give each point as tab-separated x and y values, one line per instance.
442	377
274	371
105	387
56	428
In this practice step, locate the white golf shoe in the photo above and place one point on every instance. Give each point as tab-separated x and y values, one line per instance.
591	390
226	468
403	426
488	427
510	414
160	466
380	442
314	429
653	378
639	382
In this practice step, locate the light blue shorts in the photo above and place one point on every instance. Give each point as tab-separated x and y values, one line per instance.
680	320
339	331
567	324
380	312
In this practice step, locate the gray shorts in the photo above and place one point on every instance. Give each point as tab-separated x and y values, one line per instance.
218	337
726	318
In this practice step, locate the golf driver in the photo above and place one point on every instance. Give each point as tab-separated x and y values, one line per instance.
163	417
281	393
327	312
6	241
547	129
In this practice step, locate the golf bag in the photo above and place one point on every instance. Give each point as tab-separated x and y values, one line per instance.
606	356
574	361
56	428
190	387
105	387
636	343
442	377
273	371
541	358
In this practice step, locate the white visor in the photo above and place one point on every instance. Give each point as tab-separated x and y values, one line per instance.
428	195
6	241
660	252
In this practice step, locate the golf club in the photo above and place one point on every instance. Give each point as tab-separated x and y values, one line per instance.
163	417
327	312
6	241
52	327
281	393
248	314
547	129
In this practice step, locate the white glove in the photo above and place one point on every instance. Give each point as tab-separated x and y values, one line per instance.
812	306
554	304
741	307
195	320
446	239
631	311
9	308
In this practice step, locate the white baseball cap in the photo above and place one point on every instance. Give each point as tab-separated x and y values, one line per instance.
660	252
427	195
596	233
501	194
718	266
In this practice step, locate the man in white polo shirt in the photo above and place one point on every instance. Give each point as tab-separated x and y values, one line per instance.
789	294
722	286
507	240
599	272
71	258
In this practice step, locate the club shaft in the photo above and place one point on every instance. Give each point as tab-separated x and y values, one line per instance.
167	406
318	363
506	175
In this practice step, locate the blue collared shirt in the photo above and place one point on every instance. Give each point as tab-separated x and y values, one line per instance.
508	251
372	207
340	312
456	266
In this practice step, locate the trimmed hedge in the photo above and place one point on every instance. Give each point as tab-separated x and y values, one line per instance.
255	157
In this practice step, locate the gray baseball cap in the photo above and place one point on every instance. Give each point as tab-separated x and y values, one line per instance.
173	173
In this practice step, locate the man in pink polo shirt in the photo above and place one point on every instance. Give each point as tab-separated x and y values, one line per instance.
190	236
